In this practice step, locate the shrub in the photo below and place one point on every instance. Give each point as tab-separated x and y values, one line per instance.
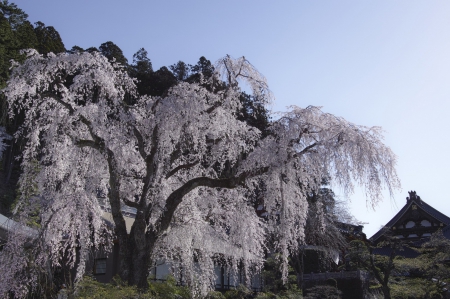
323	292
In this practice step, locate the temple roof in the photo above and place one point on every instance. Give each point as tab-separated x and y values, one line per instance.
413	199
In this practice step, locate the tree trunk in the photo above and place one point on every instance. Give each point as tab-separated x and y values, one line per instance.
386	292
135	255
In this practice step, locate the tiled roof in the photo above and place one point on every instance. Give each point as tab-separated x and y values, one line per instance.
423	206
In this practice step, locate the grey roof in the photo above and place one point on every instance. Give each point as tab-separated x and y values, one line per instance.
424	207
7	225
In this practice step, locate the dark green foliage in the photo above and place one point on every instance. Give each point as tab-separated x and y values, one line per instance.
75	49
142	70
428	274
241	292
383	268
7	45
26	36
48	39
315	260
141	63
323	292
12	13
203	66
273	280
181	70
88	288
204	69
92	49
254	113
16	33
160	82
215	295
111	51
414	288
435	257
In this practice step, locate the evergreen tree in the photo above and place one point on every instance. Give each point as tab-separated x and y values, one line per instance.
16	33
48	39
7	42
254	113
142	70
75	49
92	49
161	81
26	36
141	63
181	70
12	13
111	51
203	66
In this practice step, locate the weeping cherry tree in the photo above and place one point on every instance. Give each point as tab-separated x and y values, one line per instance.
184	162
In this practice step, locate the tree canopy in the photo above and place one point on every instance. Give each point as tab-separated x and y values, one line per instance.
112	51
185	162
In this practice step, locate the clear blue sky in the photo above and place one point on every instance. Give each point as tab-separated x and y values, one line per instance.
384	63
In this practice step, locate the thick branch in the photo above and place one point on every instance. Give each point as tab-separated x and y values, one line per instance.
87	143
176	197
306	149
141	144
184	166
88	124
114	196
130	203
58	99
150	168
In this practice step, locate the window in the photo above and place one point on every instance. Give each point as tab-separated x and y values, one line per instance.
410	224
100	266
425	223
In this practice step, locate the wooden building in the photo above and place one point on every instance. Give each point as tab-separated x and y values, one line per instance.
415	222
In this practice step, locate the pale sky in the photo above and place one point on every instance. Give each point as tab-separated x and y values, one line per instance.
375	63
